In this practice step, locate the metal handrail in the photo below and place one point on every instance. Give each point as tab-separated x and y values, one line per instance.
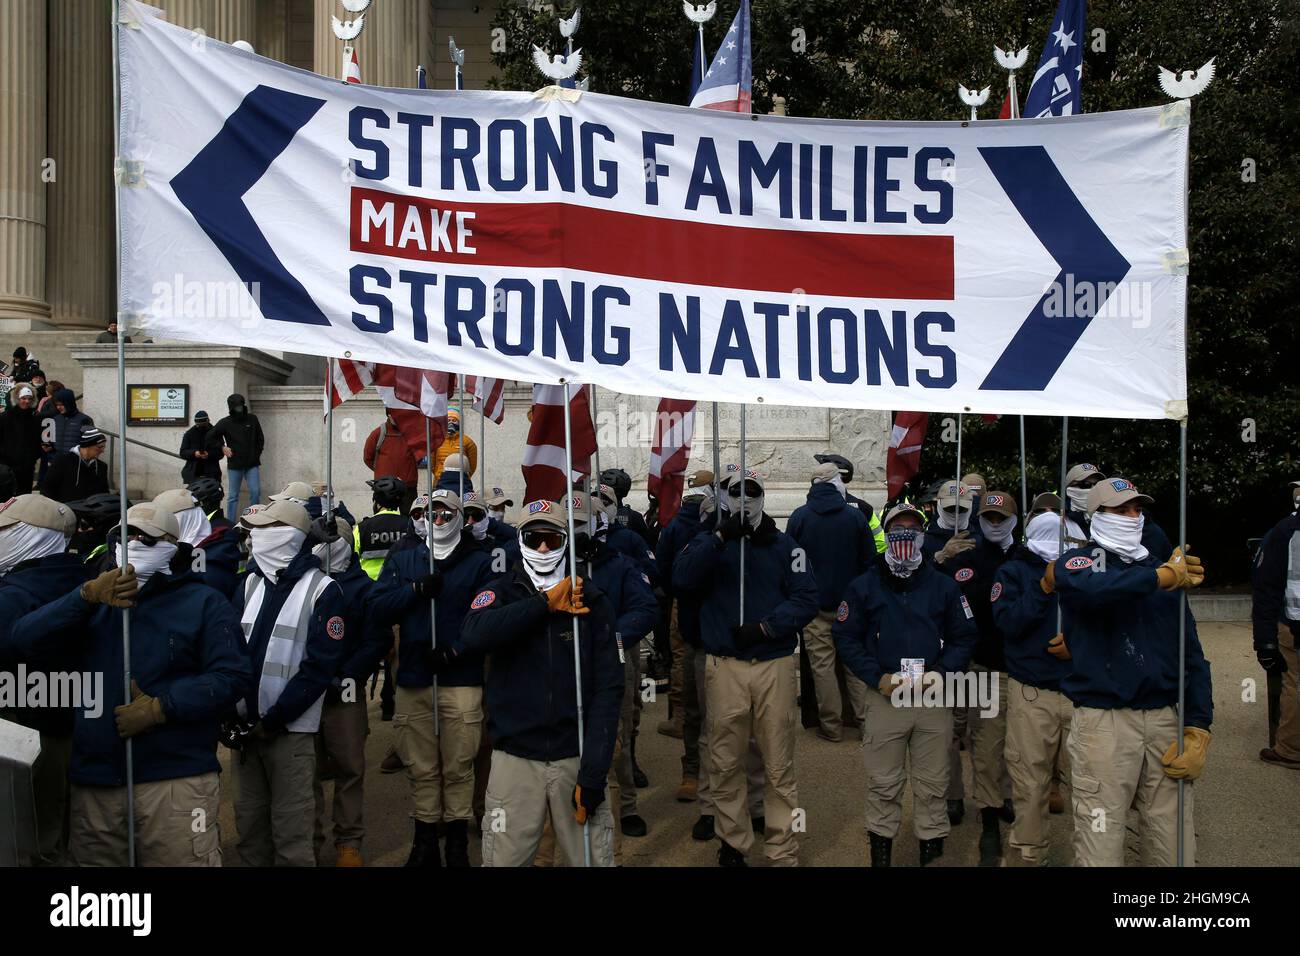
143	444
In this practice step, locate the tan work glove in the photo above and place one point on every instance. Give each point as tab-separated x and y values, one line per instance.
1048	580
1056	647
144	713
1189	764
888	683
566	597
1180	571
959	542
115	587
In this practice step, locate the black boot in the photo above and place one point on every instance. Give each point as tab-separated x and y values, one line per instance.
881	847
990	836
931	850
956	811
1008	812
424	846
727	856
638	775
458	843
703	829
633	825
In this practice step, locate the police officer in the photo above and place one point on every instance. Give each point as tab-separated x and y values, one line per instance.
1275	616
1121	611
213	554
377	534
1038	714
525	620
845	469
209	495
96	517
187	669
295	634
341	743
901	628
439	763
751	669
839	543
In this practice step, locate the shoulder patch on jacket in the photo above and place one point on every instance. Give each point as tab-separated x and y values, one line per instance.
483	599
995	592
1078	563
335	628
965	606
963	575
842	614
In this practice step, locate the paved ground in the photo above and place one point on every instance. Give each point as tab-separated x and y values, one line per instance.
1243	812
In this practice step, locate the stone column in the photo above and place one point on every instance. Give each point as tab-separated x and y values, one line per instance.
272	29
23	91
394	40
80	241
224	20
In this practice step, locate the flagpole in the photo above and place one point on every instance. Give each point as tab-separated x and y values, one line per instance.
591	508
1065	451
743	409
959	494
482	447
428	541
123	414
1024	481
717	471
1182	637
573	583
460	432
329	454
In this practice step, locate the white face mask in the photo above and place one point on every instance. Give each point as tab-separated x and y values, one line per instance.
421	527
24	542
274	546
1043	535
444	537
339	555
545	568
149	559
194	525
950	523
479	529
1119	533
498	513
1078	498
999	534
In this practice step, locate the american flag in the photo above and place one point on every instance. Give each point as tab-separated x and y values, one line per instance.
489	396
902	544
904	457
410	395
728	83
674	426
543	467
1054	90
351	68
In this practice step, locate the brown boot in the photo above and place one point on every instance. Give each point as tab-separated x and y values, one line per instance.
687	791
347	856
391	762
1056	799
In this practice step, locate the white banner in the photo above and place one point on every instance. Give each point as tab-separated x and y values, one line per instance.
1026	266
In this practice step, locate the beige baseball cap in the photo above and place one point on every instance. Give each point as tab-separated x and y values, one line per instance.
825	472
472	499
282	511
176	500
153	518
548	514
903	508
1114	492
447	497
975	482
496	498
39	512
454	463
420	503
298	491
1081	471
700	479
953	495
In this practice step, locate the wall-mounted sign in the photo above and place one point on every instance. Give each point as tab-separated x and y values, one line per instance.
159	405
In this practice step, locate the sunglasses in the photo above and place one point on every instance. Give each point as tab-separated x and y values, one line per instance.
554	540
135	534
473	517
417	514
441	517
751	490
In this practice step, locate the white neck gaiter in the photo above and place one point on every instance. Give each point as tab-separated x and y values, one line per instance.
949	522
545	569
479	529
1043	535
838	482
274	546
1078	498
1120	533
444	537
999	534
422	527
334	556
149	559
24	542
194	525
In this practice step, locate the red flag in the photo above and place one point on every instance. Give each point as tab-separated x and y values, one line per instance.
905	449
410	396
351	68
543	467
489	396
674	426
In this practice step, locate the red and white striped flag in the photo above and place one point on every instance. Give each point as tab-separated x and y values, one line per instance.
489	396
543	467
348	379
905	442
351	68
674	426
410	395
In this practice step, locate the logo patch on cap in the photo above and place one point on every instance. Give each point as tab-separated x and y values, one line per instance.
483	599
334	627
995	592
497	491
539	507
995	501
1122	484
842	614
471	496
1078	563
964	575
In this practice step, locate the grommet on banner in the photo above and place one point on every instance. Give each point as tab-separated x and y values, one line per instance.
1176	408
548	93
1176	261
128	173
131	321
1176	114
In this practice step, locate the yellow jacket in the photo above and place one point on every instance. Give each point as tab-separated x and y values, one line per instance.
451	446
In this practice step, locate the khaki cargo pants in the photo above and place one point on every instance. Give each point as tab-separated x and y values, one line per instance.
440	768
753	760
1287	743
893	736
175	823
821	657
987	743
341	751
1115	762
275	800
1038	722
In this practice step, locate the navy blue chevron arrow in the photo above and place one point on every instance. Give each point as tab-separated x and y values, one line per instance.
213	185
1052	210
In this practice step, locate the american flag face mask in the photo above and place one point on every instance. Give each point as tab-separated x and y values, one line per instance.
902	544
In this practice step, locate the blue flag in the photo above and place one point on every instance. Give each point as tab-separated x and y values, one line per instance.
1055	87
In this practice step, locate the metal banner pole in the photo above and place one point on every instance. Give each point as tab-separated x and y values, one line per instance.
428	540
1182	636
460	432
591	397
329	454
123	415
717	470
1024	481
957	518
1065	452
743	409
573	581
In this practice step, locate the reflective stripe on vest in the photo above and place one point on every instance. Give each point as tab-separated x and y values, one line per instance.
1293	579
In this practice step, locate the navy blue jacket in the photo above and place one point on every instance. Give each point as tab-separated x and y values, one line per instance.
366	640
1268	579
220	560
780	590
531	693
885	618
185	650
25	588
465	572
633	547
503	536
837	539
974	571
936	537
450	481
1027	619
686	524
1122	632
324	654
628	588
